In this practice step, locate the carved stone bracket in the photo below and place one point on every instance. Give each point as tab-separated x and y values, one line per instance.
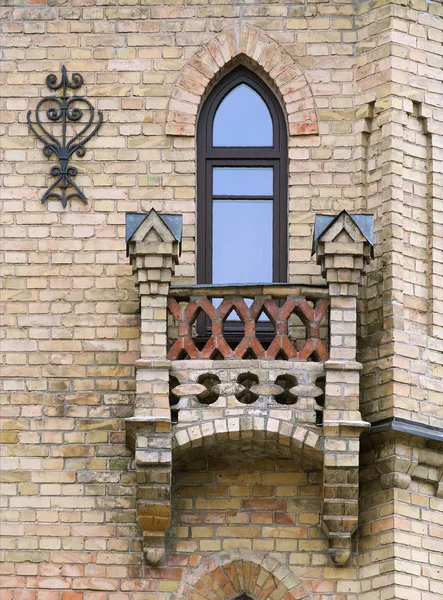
395	470
430	468
150	438
396	457
153	248
343	245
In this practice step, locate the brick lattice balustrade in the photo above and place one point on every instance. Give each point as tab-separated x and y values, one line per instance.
278	302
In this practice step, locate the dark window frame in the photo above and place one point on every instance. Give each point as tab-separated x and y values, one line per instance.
208	156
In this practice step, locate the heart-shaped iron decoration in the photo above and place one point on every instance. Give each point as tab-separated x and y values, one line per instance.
64	125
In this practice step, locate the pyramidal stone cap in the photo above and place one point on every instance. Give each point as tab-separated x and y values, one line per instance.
364	222
173	222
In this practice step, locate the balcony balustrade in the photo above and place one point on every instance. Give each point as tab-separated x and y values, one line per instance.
265	316
238	345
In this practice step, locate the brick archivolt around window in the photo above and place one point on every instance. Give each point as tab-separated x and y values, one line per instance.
265	56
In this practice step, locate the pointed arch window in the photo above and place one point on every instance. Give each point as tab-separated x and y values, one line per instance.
241	184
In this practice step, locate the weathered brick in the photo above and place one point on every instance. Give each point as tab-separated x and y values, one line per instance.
361	88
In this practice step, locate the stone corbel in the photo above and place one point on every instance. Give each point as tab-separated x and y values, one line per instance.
395	470
399	456
343	245
150	439
153	242
430	468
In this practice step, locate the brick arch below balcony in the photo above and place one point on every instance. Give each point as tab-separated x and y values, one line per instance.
229	574
251	46
252	436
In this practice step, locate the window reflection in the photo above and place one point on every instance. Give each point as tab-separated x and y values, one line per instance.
242	241
242	181
242	119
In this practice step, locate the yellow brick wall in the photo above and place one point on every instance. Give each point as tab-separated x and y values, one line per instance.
400	542
257	504
70	333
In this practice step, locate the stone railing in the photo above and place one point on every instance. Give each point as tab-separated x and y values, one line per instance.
237	345
268	321
203	389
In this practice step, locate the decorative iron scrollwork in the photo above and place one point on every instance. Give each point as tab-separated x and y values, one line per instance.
64	113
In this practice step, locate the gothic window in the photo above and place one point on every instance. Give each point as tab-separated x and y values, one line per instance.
242	184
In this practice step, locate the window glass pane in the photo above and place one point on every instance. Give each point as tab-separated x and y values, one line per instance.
242	181
242	119
242	241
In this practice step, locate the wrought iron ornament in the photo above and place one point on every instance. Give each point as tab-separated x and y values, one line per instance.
65	111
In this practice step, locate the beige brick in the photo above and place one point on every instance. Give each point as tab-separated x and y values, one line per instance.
371	75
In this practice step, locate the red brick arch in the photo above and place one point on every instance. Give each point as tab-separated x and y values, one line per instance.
267	56
229	574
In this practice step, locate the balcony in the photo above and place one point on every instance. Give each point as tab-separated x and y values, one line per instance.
269	370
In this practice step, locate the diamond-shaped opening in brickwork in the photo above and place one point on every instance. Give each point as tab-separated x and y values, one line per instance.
191	312
286	382
304	309
265	328
200	320
247	380
209	380
297	330
198	317
233	327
